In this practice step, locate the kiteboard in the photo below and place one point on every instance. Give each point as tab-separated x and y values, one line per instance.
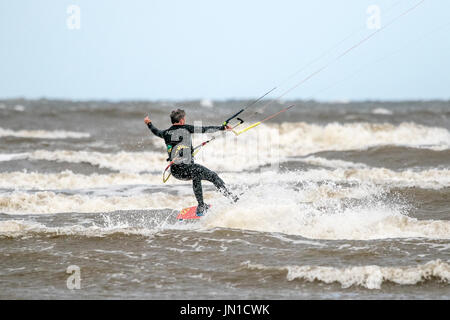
189	214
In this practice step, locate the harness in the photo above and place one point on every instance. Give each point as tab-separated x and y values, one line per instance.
169	150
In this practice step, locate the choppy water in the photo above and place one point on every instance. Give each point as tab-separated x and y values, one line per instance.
339	201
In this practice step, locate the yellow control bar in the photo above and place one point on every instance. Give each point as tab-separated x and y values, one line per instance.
248	128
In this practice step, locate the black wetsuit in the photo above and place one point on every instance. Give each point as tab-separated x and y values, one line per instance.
178	139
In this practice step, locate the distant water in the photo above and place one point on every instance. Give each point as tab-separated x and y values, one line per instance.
339	201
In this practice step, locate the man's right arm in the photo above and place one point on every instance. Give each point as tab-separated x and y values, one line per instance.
156	131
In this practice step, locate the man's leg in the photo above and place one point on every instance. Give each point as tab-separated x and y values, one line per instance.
198	192
187	172
200	172
184	172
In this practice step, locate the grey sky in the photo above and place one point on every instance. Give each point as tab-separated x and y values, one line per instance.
170	49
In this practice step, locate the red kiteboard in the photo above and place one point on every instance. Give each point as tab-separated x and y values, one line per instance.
189	214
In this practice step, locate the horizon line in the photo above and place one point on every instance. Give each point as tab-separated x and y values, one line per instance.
207	99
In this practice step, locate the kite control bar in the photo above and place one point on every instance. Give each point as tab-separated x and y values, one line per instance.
249	105
259	122
234	116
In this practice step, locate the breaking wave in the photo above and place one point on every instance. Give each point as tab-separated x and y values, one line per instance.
121	161
382	111
430	179
315	210
311	138
19	228
274	143
370	276
47	202
325	218
345	172
269	144
323	210
67	180
43	134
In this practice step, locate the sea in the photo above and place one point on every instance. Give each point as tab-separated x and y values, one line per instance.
337	200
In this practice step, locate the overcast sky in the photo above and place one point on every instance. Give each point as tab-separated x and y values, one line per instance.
197	49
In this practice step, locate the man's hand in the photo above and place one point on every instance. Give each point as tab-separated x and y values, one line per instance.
228	127
147	120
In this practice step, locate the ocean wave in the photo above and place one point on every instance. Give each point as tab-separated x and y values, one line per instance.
337	171
131	162
43	134
326	221
382	111
312	138
13	156
276	143
329	163
324	211
67	180
271	144
47	202
346	173
19	108
370	276
312	210
20	228
427	179
207	103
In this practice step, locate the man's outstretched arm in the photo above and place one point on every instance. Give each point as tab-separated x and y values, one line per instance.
153	129
208	129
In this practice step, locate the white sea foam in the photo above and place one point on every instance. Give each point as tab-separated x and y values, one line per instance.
131	162
429	179
47	202
275	143
43	134
17	228
311	138
330	163
317	211
345	173
67	180
207	103
382	111
19	108
370	276
315	222
267	145
13	156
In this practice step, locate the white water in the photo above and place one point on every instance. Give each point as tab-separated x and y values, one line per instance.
43	134
270	144
311	203
316	210
370	276
431	179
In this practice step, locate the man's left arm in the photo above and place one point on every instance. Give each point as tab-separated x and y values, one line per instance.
208	129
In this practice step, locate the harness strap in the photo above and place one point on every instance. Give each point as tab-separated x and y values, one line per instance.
166	178
165	171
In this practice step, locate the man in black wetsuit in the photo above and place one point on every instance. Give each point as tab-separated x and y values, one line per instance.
179	147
